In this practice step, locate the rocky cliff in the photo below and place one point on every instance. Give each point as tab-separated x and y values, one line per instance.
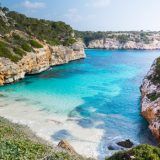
121	40
109	43
150	90
40	59
30	46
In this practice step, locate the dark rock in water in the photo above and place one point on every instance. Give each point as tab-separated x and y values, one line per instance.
66	146
114	147
111	147
126	144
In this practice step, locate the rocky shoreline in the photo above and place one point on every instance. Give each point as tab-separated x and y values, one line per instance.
39	61
150	91
34	49
115	44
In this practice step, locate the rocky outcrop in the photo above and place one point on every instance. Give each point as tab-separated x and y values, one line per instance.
3	17
9	71
150	91
39	60
112	43
126	144
66	146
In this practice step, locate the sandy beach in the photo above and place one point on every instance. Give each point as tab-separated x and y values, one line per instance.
51	127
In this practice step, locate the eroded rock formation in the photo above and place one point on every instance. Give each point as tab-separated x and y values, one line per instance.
66	146
113	43
150	90
39	60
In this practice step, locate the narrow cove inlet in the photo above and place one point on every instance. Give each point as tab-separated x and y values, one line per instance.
93	103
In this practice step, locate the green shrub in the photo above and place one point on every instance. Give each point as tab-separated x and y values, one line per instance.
153	96
142	152
19	143
69	42
16	37
3	27
21	149
156	77
123	38
42	29
54	42
144	38
35	44
5	52
19	52
26	47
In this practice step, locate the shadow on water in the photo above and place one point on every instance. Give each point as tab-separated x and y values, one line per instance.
62	73
62	134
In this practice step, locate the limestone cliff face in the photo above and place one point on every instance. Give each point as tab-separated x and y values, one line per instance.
150	90
111	43
38	61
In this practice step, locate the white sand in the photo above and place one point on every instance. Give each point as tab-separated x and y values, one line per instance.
44	125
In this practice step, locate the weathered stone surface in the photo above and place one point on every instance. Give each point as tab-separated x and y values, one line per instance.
112	43
38	61
66	146
9	71
151	108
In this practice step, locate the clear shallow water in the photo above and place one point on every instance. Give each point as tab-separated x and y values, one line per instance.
102	90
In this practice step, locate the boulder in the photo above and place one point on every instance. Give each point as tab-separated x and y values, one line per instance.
64	144
126	144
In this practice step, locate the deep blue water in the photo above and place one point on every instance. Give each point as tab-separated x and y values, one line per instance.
103	87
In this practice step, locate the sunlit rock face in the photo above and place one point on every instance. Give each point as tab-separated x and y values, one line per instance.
113	43
38	61
150	90
9	71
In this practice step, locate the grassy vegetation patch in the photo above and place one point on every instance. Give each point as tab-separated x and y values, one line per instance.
26	47
156	77
21	149
6	52
15	46
153	96
42	29
35	44
17	37
123	38
56	33
142	152
69	42
18	143
15	145
3	27
19	51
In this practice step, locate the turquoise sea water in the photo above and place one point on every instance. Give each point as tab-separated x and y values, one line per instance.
103	87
